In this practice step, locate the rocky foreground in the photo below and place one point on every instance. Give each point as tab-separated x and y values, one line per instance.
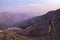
10	35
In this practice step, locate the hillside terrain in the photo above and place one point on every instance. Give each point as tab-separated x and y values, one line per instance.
45	27
10	35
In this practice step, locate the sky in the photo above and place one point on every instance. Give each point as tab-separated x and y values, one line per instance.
33	6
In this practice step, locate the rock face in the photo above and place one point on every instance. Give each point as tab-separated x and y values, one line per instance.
45	24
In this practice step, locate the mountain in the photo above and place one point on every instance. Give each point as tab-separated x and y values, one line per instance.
34	20
45	24
9	19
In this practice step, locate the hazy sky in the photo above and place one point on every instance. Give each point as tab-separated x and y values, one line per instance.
27	2
34	6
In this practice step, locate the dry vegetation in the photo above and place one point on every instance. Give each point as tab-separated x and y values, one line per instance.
9	35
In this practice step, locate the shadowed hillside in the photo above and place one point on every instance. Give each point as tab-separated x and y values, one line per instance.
41	25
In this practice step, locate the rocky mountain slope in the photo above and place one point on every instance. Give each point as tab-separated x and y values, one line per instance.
41	24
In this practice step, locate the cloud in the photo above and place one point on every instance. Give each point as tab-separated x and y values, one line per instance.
34	4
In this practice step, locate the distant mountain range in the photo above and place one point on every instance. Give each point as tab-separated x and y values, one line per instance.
9	19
